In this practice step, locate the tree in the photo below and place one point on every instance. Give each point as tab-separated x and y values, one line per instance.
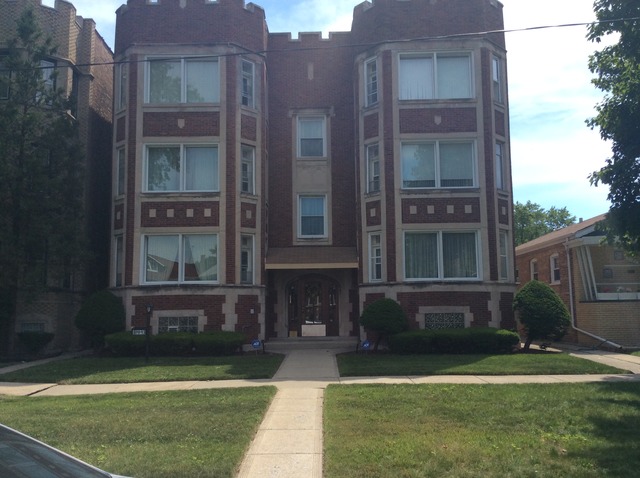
41	174
532	221
385	317
101	314
542	312
617	68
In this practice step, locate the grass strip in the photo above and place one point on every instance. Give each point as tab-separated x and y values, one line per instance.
493	431
368	365
147	435
158	369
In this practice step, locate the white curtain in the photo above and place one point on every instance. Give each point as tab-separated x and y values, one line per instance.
203	81
459	254
202	169
454	77
421	255
416	78
456	165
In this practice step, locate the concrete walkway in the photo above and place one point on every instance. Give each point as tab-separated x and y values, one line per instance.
288	443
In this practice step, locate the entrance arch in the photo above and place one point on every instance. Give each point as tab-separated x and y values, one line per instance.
312	306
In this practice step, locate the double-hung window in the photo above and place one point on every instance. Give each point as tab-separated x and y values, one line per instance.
533	266
504	256
441	255
246	259
496	76
183	80
48	68
438	164
312	217
5	79
312	137
182	168
248	75
500	166
119	260
120	173
247	166
375	257
371	81
373	169
435	76
121	86
554	267
181	258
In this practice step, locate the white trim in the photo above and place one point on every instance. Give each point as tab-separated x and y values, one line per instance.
324	205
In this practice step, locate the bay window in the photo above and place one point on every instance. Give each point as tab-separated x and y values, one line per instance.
438	164
371	81
180	80
435	76
248	69
373	169
504	256
181	258
179	168
247	166
441	255
375	257
246	259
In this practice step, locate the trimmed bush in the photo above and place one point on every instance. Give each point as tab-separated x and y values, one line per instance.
485	340
541	312
219	343
101	314
384	317
34	342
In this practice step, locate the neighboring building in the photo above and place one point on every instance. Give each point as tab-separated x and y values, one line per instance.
597	282
82	62
277	186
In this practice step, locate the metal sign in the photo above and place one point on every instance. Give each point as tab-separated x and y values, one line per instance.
366	345
256	344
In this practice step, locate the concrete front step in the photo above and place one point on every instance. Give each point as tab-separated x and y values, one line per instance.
310	343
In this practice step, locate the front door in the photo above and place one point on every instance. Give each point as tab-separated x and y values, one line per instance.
313	307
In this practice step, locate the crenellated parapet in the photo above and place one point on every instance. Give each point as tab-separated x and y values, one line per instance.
202	22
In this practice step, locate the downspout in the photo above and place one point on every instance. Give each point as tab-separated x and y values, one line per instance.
571	307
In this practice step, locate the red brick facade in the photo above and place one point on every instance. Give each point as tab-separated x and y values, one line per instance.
287	197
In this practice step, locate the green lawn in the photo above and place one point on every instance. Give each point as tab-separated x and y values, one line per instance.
364	365
489	431
637	354
159	369
147	435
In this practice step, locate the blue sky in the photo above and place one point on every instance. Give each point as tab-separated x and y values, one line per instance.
550	93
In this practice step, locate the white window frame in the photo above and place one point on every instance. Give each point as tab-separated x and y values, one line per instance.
303	118
248	168
500	166
247	89
121	176
503	253
247	259
440	256
324	234
181	260
437	158
183	79
435	93
121	86
373	168
375	257
371	81
182	188
496	78
533	269
554	269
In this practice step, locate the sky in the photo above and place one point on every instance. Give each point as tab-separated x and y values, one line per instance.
553	151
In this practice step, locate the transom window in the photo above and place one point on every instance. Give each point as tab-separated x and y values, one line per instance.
182	168
375	257
435	76
311	137
441	255
181	258
371	79
438	164
180	80
373	169
248	69
312	217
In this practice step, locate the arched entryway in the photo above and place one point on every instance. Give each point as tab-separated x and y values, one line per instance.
313	308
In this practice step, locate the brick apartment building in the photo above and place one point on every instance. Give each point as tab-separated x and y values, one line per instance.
598	283
82	64
277	186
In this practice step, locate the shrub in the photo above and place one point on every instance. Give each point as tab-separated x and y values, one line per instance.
34	342
384	317
542	312
176	344
101	314
485	340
